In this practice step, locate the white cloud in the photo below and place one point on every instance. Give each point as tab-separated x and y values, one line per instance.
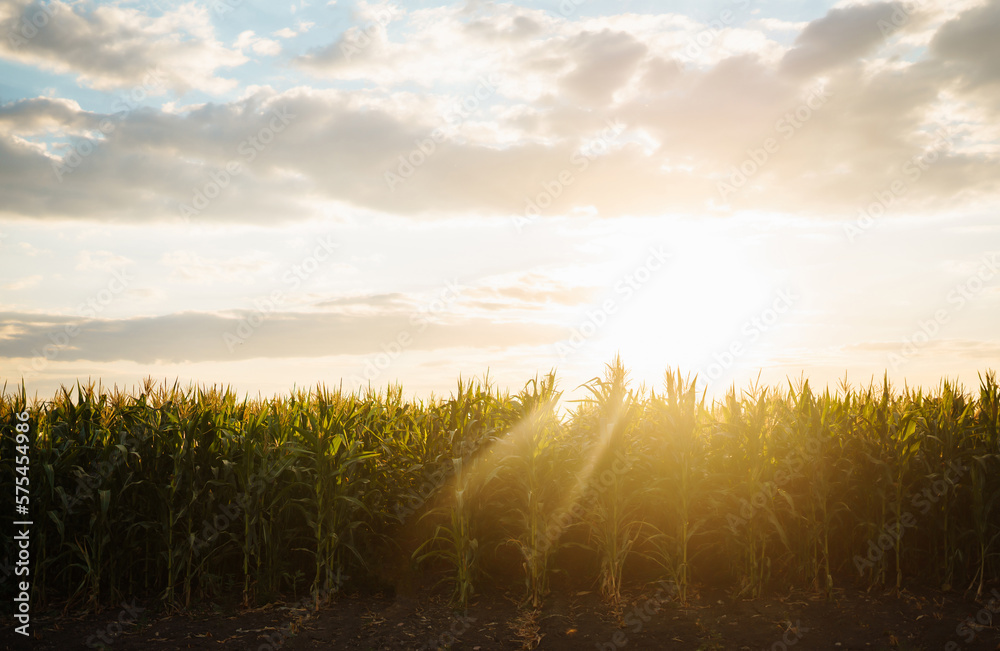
839	38
258	44
197	336
23	283
32	251
100	260
111	47
688	122
777	25
189	266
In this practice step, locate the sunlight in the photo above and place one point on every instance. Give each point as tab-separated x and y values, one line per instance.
689	310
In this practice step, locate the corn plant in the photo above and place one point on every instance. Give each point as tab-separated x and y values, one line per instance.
890	426
210	493
471	420
742	438
814	430
333	511
532	473
613	520
676	463
455	542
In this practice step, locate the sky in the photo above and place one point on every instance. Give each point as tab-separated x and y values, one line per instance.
271	196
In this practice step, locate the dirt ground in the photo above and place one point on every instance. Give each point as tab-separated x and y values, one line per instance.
650	619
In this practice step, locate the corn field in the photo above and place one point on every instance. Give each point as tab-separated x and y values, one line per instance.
184	494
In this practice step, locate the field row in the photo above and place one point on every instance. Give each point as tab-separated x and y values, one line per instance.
193	493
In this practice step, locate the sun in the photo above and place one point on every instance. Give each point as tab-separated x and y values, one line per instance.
691	309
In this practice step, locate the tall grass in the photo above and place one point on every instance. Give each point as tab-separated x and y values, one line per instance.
182	494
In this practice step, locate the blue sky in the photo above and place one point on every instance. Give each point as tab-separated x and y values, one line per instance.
270	195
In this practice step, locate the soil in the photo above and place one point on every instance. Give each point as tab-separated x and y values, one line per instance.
649	619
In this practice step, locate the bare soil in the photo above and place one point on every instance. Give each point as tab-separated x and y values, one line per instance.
852	620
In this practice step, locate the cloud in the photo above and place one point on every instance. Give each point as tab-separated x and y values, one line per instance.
23	283
521	297
110	47
777	25
195	337
978	350
605	61
472	145
971	42
190	267
258	44
394	301
512	293
100	260
145	166
841	37
45	115
31	250
526	291
363	41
